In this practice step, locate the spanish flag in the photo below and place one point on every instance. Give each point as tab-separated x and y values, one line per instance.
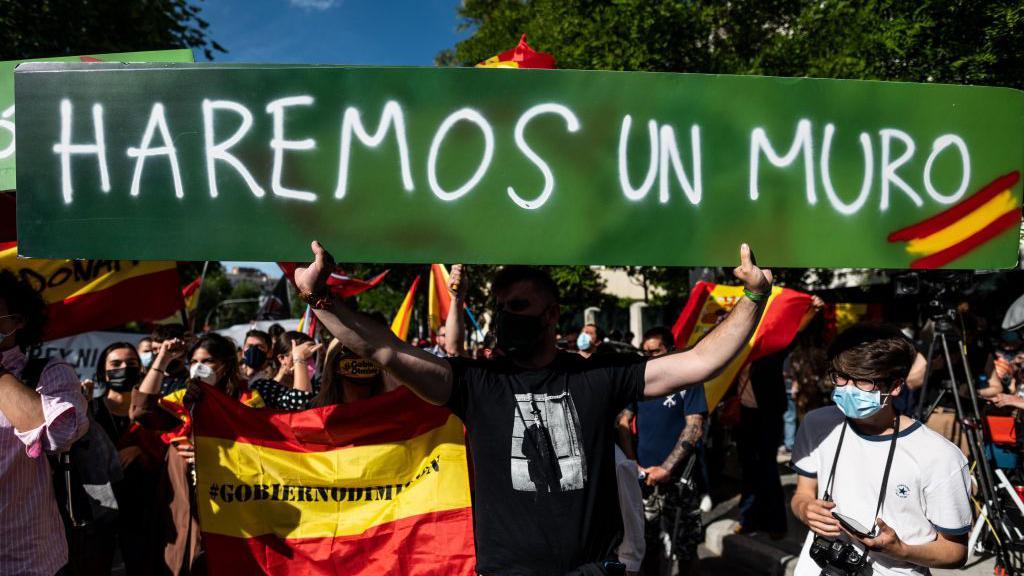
400	325
439	299
710	303
86	295
378	486
842	315
174	403
190	293
980	217
522	56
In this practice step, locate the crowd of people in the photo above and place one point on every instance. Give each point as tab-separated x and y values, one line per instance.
588	456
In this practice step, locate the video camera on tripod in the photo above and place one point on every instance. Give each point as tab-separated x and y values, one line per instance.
998	528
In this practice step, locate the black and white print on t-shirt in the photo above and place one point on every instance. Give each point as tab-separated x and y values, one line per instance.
546	451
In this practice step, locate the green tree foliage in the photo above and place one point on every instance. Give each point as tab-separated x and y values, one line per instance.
953	41
42	28
580	287
949	41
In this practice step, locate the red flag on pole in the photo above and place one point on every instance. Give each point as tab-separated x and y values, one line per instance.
341	284
522	56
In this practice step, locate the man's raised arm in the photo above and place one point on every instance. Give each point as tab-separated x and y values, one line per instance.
672	372
426	375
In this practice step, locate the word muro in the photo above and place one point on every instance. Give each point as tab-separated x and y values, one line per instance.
666	168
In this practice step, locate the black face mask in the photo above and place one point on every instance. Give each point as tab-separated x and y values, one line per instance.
518	334
123	379
254	357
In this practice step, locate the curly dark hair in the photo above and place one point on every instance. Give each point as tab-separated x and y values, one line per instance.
21	299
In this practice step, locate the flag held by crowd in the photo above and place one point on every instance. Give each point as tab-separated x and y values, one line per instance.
710	303
377	487
400	324
86	295
190	293
341	285
439	298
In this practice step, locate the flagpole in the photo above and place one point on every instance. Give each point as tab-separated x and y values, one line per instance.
202	279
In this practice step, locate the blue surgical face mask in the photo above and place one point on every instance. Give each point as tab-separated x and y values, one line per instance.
146	358
583	341
856	403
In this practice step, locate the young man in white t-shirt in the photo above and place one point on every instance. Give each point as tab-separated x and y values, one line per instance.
925	513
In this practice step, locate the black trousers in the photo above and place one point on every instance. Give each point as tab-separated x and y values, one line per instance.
762	505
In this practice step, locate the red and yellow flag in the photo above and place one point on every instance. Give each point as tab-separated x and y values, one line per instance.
842	315
980	217
379	486
522	56
710	303
85	295
400	325
190	293
439	299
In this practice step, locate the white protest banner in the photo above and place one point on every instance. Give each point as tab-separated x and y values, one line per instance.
82	351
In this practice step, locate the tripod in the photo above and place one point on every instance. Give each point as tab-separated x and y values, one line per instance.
993	517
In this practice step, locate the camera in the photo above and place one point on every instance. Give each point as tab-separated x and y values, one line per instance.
837	558
938	291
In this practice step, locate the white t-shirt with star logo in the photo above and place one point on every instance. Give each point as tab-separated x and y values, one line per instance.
928	491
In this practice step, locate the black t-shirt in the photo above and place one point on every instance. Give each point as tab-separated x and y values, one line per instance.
533	513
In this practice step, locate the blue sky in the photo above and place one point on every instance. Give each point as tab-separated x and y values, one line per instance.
370	32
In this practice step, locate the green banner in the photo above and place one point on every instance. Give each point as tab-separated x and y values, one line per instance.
7	131
251	162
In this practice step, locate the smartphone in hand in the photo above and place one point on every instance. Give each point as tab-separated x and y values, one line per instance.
854	527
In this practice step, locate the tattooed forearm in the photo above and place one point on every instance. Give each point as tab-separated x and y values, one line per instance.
687	440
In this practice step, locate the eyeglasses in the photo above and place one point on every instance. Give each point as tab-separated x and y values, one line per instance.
650	353
839	379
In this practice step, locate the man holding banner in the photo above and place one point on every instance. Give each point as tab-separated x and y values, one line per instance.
538	421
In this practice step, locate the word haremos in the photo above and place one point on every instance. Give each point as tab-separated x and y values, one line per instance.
195	161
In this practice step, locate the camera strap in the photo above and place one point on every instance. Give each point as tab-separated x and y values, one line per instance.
885	475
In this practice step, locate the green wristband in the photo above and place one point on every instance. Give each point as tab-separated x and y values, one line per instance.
756	296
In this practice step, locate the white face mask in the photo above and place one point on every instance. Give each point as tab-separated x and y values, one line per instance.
203	373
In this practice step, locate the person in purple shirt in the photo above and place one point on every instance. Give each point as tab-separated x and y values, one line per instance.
44	415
